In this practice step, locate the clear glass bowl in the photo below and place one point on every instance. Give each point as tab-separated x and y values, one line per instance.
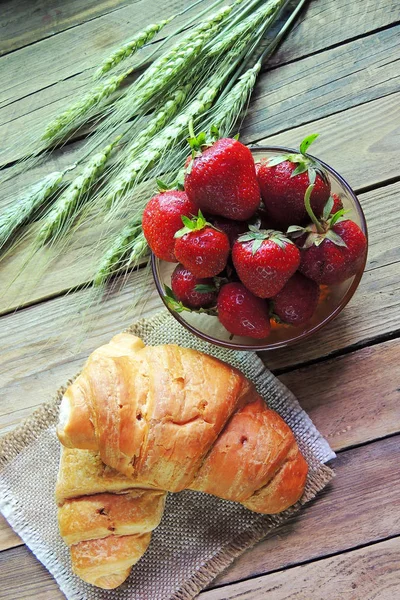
332	301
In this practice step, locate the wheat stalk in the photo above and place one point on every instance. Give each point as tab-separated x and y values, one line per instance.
136	43
136	171
58	221
74	114
130	241
166	70
21	211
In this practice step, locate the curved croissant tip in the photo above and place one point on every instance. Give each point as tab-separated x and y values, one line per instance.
63	422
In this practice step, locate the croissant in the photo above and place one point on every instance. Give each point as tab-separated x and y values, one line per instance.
172	418
105	520
164	418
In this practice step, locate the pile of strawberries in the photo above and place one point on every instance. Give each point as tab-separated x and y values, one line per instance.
253	241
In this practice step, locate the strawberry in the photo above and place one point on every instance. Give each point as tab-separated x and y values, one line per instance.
221	178
283	181
232	228
162	219
192	291
295	304
336	205
264	260
241	313
201	248
333	249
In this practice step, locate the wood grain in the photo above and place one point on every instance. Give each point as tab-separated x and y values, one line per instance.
325	24
358	158
352	399
292	95
363	160
372	572
324	84
8	537
24	22
360	506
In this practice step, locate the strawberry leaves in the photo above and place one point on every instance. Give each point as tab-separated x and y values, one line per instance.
190	225
178	306
305	164
257	236
306	143
319	230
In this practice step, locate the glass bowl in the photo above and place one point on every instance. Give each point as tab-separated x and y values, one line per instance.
332	300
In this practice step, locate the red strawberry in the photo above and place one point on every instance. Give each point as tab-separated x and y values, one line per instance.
283	181
264	260
241	313
201	248
337	204
334	250
232	228
296	302
162	218
192	291
221	179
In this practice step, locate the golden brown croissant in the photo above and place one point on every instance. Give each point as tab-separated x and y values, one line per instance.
105	520
173	418
146	420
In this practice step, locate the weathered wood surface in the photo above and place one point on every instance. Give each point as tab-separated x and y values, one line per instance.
361	505
337	76
24	22
372	573
349	400
350	512
362	160
39	353
297	93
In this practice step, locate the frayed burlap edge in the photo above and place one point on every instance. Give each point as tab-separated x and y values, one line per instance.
317	480
47	415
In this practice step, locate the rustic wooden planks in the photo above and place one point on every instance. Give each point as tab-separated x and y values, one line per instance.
77	49
324	84
364	160
371	572
352	399
24	22
321	84
341	144
352	511
360	506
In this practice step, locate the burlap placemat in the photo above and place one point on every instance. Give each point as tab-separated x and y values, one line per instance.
199	535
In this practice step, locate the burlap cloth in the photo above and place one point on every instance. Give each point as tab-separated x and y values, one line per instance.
199	535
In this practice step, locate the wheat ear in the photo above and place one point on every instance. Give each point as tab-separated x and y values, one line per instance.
127	242
58	221
126	50
22	210
74	114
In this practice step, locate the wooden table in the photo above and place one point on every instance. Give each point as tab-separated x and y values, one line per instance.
336	74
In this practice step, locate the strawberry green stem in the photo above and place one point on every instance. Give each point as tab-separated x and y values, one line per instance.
309	210
191	129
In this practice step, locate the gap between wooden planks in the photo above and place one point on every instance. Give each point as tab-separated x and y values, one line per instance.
25	23
308	89
369	409
362	160
371	572
39	352
357	508
324	23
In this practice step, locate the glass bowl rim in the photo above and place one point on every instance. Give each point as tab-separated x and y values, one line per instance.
284	343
